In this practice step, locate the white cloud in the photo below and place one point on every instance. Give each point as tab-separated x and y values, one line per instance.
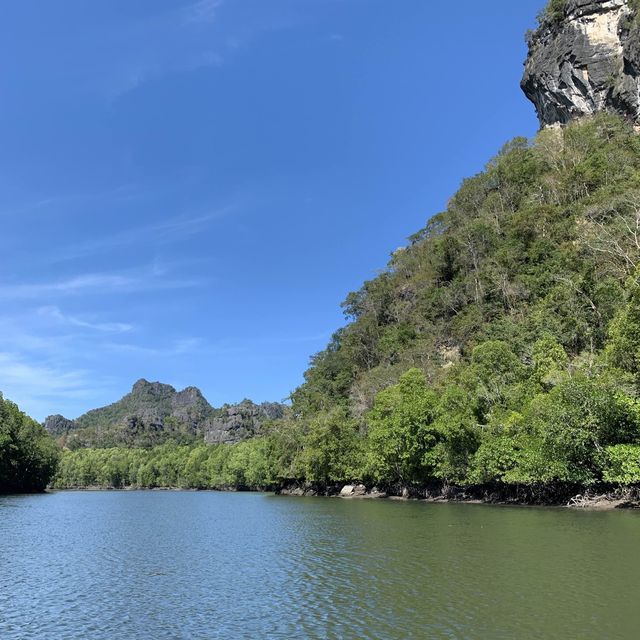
56	314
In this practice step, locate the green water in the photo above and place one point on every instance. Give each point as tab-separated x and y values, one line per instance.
211	565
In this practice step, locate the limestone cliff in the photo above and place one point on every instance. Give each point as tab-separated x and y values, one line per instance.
584	58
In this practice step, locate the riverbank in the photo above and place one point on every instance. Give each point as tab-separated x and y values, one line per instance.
597	497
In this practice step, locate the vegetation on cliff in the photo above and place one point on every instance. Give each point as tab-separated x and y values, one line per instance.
553	12
28	456
501	345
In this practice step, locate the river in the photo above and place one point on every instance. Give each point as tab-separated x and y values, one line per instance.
201	565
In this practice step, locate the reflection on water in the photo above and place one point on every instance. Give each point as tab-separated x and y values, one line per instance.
162	565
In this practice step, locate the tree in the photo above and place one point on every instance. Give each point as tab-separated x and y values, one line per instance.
457	433
400	432
623	348
332	448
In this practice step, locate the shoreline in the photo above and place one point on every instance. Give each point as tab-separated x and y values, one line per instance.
595	498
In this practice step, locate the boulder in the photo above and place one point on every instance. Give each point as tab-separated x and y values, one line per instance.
347	490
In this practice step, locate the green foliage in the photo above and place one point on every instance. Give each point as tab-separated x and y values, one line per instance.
28	456
332	449
576	420
549	361
632	19
622	464
245	465
561	434
553	13
623	348
400	430
458	434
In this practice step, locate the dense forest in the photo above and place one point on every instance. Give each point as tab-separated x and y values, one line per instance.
502	345
28	456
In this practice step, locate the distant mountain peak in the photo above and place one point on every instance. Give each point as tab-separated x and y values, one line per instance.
155	388
154	412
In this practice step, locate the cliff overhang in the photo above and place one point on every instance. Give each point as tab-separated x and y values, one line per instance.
584	58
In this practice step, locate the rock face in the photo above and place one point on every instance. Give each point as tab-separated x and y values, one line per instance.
153	413
585	58
58	425
241	421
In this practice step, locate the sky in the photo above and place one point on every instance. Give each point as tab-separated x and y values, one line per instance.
189	189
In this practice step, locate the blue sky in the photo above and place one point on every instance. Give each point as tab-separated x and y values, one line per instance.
188	190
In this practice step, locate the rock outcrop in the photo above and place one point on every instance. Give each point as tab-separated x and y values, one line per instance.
585	58
241	421
58	425
153	413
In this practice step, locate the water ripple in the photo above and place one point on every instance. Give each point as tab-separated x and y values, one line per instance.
164	565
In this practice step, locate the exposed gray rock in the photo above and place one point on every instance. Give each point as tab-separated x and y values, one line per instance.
359	490
241	421
58	425
353	491
585	62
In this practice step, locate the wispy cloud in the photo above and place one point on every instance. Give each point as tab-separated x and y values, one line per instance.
187	225
186	40
56	314
36	387
141	73
46	372
78	284
178	49
166	231
66	201
180	347
95	283
202	11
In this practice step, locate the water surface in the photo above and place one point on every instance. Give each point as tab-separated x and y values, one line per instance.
160	565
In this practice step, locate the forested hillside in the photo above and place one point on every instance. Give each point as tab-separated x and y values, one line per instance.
502	345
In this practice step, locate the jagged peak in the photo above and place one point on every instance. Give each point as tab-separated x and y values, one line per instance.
156	388
191	391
